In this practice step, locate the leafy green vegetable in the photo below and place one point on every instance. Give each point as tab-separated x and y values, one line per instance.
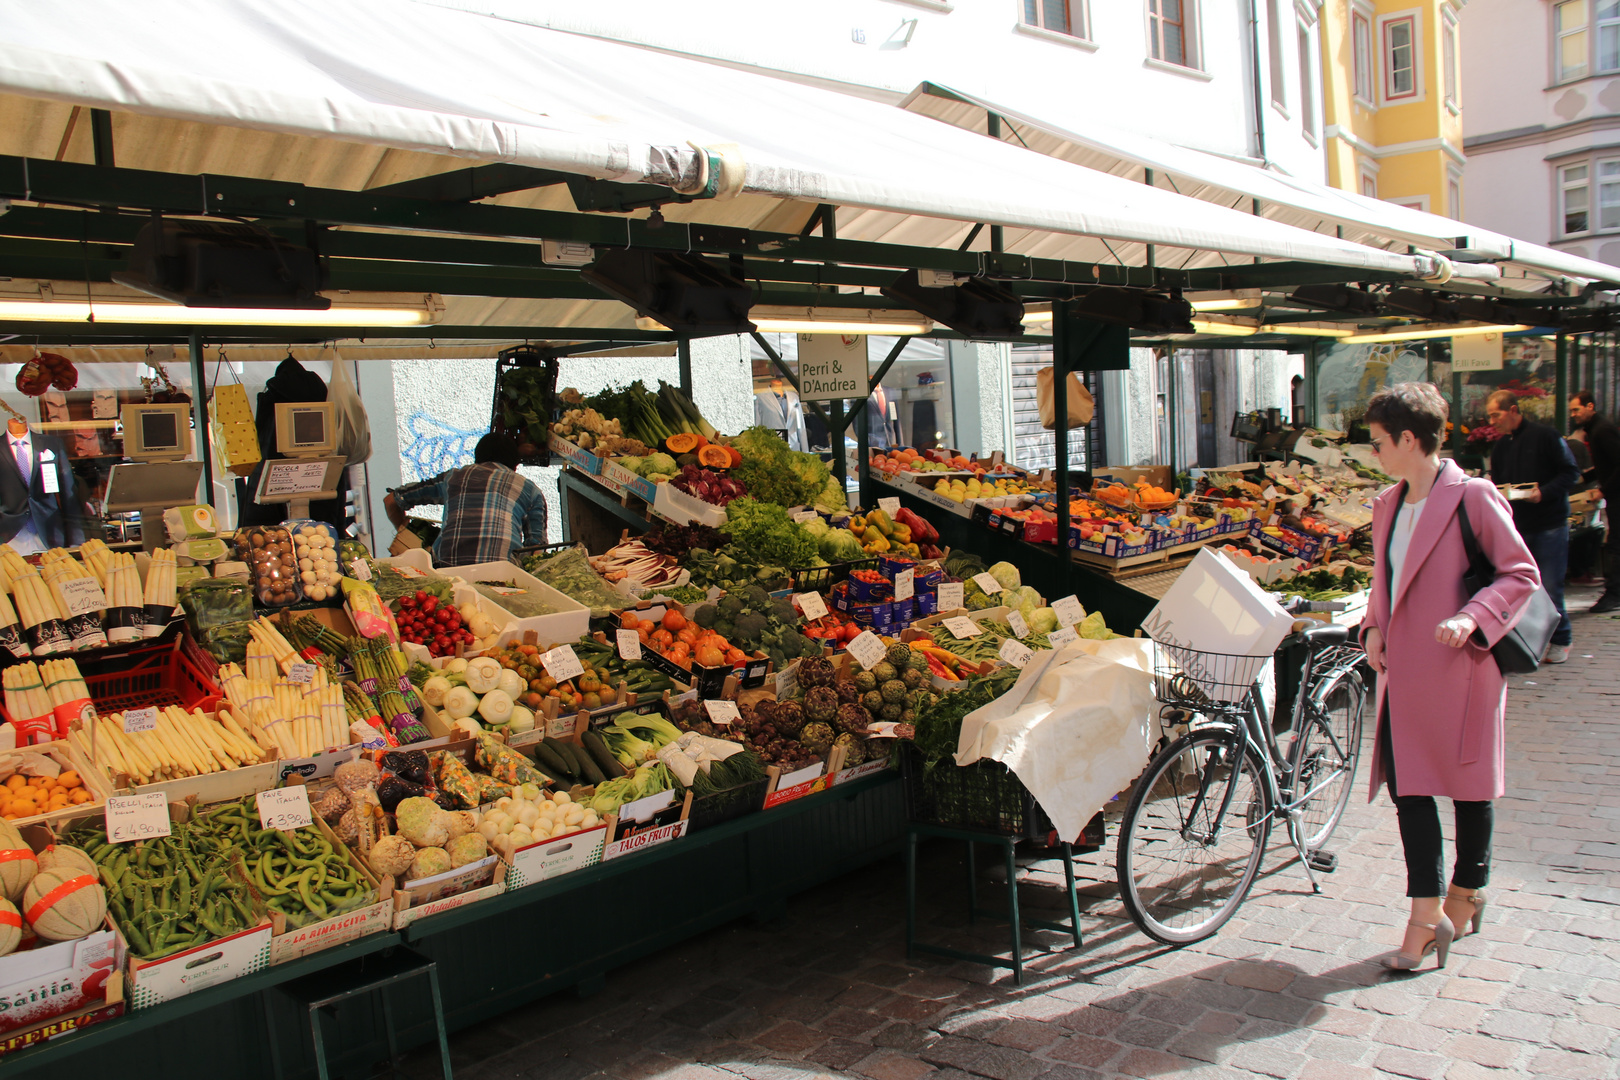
569	572
764	529
841	545
775	474
939	727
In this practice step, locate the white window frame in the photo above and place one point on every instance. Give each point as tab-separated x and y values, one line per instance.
1599	24
1583	30
1567	185
1449	48
1413	16
1363	56
1454	194
1274	53
1596	201
1078	12
1192	54
1369	180
1307	77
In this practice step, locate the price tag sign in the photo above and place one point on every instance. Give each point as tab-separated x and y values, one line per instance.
82	595
950	595
293	478
1068	611
988	583
722	712
1020	628
285	808
905	585
360	570
1060	638
962	627
890	506
1016	653
137	817
1270	493
629	644
561	727
813	606
805	516
867	650
139	720
561	663
303	675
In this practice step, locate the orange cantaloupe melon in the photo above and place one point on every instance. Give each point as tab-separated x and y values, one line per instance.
64	904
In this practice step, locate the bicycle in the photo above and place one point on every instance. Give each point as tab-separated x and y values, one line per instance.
1185	863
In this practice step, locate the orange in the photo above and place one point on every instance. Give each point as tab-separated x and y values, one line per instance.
15	781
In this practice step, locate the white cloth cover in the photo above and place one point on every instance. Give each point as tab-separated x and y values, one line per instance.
1076	728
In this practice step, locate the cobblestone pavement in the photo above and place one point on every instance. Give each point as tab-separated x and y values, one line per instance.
1290	988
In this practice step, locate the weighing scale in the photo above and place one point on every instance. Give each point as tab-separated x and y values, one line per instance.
151	487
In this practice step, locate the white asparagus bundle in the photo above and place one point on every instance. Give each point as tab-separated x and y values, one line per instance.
123	588
26	696
57	566
160	579
63	682
36	602
98	557
264	631
181	744
8	614
11	564
261	661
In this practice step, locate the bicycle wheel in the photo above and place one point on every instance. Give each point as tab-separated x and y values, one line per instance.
1322	766
1193	836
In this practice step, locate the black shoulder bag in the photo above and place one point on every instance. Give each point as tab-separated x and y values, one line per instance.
1519	651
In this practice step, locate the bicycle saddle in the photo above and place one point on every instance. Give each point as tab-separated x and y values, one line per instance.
1326	635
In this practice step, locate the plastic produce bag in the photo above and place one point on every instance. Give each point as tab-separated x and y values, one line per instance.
348	412
1075	729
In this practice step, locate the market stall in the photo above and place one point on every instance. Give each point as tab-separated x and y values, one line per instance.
242	756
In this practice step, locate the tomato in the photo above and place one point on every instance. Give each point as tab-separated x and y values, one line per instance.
687	634
628	620
662	639
735	656
709	656
674	621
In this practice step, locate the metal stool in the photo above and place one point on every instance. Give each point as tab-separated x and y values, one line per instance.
319	993
1008	845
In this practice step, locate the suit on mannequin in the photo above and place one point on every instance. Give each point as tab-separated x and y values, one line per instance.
881	432
777	407
38	493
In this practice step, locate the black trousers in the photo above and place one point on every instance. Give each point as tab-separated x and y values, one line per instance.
1419	819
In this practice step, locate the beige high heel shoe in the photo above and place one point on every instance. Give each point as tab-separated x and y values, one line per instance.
1440	944
1474	921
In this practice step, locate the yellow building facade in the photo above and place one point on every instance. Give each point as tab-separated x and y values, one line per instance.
1392	102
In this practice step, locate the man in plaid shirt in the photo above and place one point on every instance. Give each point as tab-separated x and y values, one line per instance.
488	508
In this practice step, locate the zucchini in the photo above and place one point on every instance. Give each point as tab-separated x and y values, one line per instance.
601	755
588	770
550	758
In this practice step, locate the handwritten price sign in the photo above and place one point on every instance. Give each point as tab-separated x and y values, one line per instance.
285	808
137	817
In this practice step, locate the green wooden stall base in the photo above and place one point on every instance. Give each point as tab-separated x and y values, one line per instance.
502	953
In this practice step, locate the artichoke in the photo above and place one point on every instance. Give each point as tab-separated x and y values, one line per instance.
865	681
872	700
820	703
883	671
789	718
899	655
815	671
912	678
893	691
848	693
817	737
854	751
854	718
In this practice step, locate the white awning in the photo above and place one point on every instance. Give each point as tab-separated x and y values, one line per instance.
1068	129
409	76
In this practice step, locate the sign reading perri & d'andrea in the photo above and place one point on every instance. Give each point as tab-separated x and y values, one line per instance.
832	366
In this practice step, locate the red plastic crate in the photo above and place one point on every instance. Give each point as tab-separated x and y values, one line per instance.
157	676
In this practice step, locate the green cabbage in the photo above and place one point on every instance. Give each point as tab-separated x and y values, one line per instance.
1043	621
840	545
1093	627
1025	599
1007	574
816	527
658	463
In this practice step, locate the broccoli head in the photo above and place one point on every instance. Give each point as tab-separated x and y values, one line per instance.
756	598
730	606
706	615
725	628
782	609
748	627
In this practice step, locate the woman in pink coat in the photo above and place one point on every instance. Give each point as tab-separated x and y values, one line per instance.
1440	694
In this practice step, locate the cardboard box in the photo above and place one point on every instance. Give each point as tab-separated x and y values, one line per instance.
156	981
404	916
109	1007
546	859
43	980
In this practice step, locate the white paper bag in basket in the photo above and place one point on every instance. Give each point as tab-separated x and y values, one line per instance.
1075	728
1215	607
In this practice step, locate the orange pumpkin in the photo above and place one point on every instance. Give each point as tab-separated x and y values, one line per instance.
715	457
683	442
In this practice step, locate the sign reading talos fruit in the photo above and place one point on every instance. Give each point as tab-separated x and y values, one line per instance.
867	650
988	583
561	663
950	595
962	627
905	585
813	606
629	644
1068	611
722	712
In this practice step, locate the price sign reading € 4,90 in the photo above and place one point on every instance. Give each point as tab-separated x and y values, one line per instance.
561	663
867	650
285	808
813	606
137	817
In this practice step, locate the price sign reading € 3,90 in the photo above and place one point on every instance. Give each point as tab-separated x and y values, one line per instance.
285	808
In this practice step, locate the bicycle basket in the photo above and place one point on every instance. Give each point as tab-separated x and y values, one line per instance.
1194	679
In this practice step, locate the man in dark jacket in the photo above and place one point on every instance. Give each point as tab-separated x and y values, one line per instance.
1603	442
1532	453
